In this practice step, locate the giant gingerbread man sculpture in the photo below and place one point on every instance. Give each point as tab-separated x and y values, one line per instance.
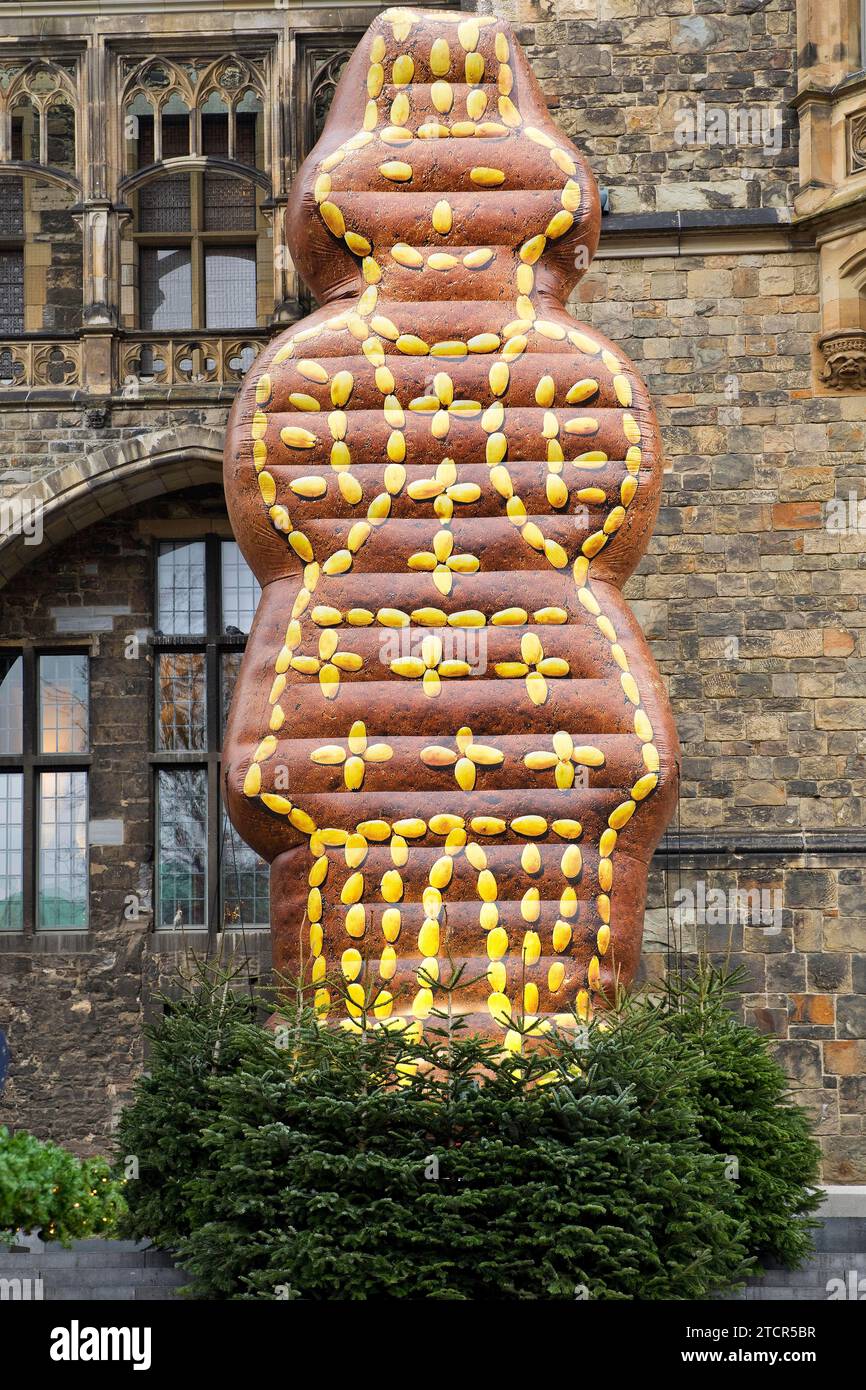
448	738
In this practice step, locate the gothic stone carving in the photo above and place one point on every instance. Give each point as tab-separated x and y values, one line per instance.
844	359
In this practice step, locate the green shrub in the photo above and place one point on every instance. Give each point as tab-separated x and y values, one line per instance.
295	1167
45	1189
746	1115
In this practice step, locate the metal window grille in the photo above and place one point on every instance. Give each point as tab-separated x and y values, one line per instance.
230	286
11	207
164	205
229	204
11	292
175	136
245	137
165	287
215	133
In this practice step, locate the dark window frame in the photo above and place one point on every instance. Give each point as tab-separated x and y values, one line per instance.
215	643
31	764
198	239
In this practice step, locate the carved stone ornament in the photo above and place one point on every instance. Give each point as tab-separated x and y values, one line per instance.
448	737
844	354
857	143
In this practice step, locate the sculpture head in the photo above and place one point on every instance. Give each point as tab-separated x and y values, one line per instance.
439	144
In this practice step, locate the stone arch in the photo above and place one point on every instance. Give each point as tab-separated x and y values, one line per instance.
98	484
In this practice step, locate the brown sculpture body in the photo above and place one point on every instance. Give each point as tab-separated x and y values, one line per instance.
448	736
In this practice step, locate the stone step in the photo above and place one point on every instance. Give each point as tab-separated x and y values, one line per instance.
776	1293
823	1259
100	1293
83	1259
841	1233
35	1245
84	1280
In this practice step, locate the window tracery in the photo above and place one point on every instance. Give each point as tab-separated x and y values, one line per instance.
38	115
174	110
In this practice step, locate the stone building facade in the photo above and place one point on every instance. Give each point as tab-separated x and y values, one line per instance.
146	151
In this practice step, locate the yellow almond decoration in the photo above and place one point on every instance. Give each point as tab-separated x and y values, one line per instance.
406	255
486	177
440	57
475	104
559	224
296	438
396	171
509	112
468	33
403	70
474	68
571	196
440	260
442	96
532	249
443	217
332	218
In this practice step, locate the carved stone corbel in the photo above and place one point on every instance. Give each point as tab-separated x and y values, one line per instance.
844	354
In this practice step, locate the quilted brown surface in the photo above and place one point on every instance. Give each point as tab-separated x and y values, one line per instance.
448	737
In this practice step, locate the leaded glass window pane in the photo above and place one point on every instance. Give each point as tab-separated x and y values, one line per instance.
231	666
230	286
60	130
11	850
11	709
182	848
63	850
181	586
240	589
138	132
245	882
63	704
182	710
25	129
165	288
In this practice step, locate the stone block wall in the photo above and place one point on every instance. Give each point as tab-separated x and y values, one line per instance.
751	594
74	1006
625	77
